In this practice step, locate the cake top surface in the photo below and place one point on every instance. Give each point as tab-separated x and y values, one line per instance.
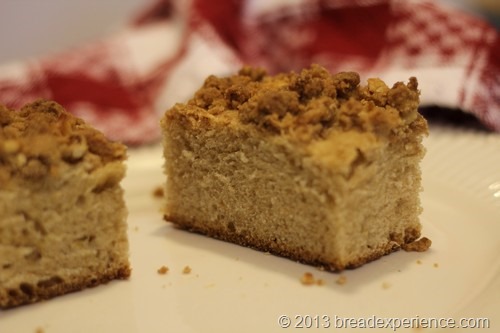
311	104
39	137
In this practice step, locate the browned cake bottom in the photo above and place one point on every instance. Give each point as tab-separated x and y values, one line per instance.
411	235
56	286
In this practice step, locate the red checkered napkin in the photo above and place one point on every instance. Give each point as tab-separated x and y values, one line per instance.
123	85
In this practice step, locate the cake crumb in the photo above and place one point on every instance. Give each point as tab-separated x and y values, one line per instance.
420	245
341	280
162	270
386	285
158	192
39	330
436	265
308	279
419	262
186	270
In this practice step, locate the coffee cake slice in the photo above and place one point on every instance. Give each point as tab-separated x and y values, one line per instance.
310	166
62	213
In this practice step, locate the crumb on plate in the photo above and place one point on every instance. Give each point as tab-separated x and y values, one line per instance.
341	280
186	270
420	245
308	279
162	270
158	192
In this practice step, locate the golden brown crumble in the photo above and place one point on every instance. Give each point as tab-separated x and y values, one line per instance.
310	104
158	192
162	270
420	245
186	270
342	279
308	279
39	137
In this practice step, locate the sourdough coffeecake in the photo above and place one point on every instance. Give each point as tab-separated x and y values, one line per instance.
310	166
62	212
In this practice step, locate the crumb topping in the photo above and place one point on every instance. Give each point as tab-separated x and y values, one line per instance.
41	136
312	103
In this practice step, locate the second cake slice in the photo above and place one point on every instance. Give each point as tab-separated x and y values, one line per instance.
309	166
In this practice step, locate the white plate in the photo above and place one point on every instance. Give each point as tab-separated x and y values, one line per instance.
235	289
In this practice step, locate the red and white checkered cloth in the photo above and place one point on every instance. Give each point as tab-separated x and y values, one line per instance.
122	85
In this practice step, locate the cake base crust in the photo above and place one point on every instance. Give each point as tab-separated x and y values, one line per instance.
411	236
53	287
